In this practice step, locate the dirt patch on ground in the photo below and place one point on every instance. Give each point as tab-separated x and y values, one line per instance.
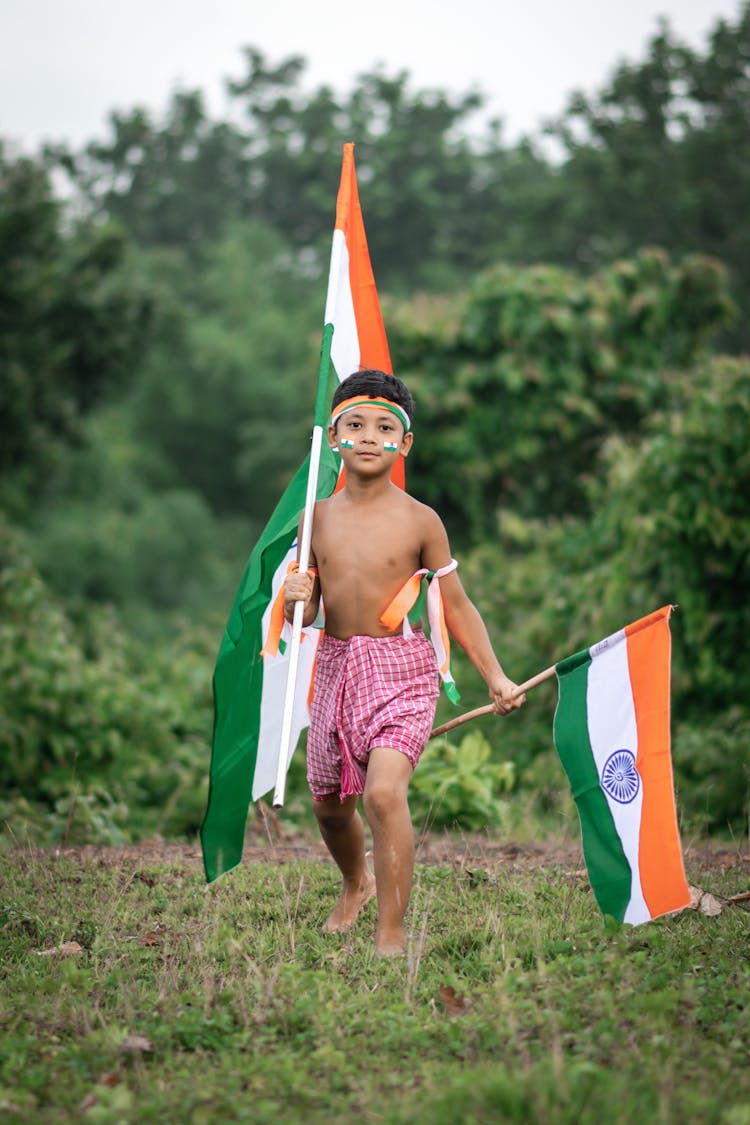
438	849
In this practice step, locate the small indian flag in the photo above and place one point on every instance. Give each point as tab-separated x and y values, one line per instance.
611	731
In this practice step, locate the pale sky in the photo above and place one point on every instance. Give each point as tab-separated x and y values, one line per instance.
65	64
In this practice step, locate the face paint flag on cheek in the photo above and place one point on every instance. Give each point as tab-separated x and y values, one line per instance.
390	446
346	443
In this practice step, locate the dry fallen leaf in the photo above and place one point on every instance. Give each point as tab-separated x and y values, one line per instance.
136	1044
66	949
454	1004
711	905
155	936
705	902
695	896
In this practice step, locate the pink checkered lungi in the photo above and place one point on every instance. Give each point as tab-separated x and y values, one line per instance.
368	692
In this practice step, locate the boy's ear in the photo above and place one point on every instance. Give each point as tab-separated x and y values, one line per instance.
332	439
406	443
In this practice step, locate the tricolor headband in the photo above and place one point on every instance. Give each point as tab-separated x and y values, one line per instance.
378	403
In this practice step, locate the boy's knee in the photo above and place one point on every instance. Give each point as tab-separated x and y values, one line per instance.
382	797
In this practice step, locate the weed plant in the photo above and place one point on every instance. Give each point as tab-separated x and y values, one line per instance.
227	1003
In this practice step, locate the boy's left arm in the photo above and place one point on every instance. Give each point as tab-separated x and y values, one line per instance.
465	624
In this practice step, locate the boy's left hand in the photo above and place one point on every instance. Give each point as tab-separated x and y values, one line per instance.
501	692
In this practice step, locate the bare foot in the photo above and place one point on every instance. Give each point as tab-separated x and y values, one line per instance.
391	944
352	900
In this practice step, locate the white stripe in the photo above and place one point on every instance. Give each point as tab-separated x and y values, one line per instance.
274	691
345	354
433	615
612	726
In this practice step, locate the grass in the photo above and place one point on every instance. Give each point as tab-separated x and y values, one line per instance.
228	1004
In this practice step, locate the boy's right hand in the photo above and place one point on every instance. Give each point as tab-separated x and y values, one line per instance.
297	588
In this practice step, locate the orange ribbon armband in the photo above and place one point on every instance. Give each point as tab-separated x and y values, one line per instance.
409	598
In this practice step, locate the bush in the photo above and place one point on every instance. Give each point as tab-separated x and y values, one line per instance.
458	786
712	769
108	739
670	523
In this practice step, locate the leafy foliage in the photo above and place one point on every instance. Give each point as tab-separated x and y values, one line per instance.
518	390
654	157
669	524
158	343
669	130
459	785
672	519
72	324
107	737
223	396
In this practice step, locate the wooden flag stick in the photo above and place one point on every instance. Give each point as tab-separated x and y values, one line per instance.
540	677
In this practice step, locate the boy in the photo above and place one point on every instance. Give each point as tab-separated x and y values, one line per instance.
376	680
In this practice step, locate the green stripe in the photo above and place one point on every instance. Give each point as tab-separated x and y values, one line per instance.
323	397
608	869
238	676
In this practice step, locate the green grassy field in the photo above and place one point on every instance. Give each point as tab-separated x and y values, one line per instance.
223	1004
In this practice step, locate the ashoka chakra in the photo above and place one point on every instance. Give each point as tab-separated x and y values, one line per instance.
620	779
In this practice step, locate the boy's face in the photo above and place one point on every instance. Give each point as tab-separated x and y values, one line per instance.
368	437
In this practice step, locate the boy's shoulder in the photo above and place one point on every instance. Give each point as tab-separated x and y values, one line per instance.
419	510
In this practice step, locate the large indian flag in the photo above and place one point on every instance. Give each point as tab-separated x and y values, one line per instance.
611	731
249	687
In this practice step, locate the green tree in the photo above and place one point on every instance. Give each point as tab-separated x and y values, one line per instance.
72	323
669	522
430	201
656	156
225	397
659	156
672	518
169	183
519	385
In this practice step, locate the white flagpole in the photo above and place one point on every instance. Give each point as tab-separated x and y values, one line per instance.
299	610
321	407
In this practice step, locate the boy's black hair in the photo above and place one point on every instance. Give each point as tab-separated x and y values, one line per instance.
376	384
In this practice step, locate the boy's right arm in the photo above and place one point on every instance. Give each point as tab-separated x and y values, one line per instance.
302	588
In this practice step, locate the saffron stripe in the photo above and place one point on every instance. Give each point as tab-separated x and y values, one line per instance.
373	343
660	855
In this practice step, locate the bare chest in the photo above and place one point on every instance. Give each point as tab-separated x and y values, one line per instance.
378	550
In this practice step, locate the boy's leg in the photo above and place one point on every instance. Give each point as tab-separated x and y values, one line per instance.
387	812
342	830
